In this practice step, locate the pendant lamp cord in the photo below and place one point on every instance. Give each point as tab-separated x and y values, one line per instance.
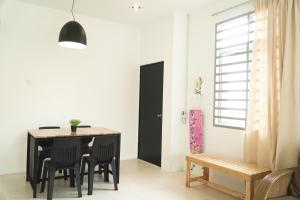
72	10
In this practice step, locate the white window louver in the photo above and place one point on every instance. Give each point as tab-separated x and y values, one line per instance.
233	53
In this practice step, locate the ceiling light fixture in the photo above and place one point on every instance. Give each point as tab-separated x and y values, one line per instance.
136	7
72	34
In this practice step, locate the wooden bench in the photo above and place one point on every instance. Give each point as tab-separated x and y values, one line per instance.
248	172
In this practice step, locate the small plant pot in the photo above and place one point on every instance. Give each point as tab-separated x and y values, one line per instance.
73	129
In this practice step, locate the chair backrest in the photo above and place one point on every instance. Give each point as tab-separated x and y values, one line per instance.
104	149
84	126
47	142
66	152
85	140
49	127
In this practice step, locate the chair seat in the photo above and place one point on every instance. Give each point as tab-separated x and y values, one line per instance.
49	163
91	159
285	198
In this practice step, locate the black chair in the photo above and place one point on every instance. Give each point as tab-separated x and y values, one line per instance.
103	153
65	154
85	150
46	151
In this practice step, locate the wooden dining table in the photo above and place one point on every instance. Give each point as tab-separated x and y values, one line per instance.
35	136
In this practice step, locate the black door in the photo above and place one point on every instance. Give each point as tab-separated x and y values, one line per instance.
150	114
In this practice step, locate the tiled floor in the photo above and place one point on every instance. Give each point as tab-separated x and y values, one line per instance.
138	181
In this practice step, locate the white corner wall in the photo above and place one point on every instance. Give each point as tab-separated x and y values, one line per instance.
156	45
178	135
43	84
224	142
165	39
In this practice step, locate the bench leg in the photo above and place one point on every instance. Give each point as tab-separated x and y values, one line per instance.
205	173
249	190
188	173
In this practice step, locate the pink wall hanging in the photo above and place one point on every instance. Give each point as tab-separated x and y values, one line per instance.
196	131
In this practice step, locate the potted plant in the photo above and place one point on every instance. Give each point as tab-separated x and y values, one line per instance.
74	123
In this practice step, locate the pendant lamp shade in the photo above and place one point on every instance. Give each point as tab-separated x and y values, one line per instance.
72	35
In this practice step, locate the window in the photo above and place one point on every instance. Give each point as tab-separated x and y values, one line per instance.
234	44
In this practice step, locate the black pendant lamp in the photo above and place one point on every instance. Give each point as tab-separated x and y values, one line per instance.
72	35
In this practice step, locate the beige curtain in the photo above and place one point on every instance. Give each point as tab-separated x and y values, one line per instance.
272	133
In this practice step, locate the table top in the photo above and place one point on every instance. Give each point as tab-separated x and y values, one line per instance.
52	133
236	167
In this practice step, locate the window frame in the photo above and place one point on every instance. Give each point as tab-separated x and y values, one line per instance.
248	71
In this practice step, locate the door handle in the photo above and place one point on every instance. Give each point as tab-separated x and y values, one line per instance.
159	115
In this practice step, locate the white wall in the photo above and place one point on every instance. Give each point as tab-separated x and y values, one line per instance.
156	45
44	84
179	91
165	39
227	143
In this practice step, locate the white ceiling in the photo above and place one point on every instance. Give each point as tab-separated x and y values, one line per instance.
118	10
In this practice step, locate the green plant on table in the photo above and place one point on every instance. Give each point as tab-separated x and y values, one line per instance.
75	122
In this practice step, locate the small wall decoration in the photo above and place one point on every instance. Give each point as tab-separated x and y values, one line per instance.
198	86
196	131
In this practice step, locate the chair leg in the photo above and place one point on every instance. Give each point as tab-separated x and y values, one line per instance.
82	171
40	167
91	178
72	182
106	173
45	171
114	172
100	170
78	182
51	175
65	174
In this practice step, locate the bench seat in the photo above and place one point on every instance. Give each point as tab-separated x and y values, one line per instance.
248	172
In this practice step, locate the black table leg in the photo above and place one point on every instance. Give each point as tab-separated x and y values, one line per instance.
28	158
35	167
118	157
32	163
